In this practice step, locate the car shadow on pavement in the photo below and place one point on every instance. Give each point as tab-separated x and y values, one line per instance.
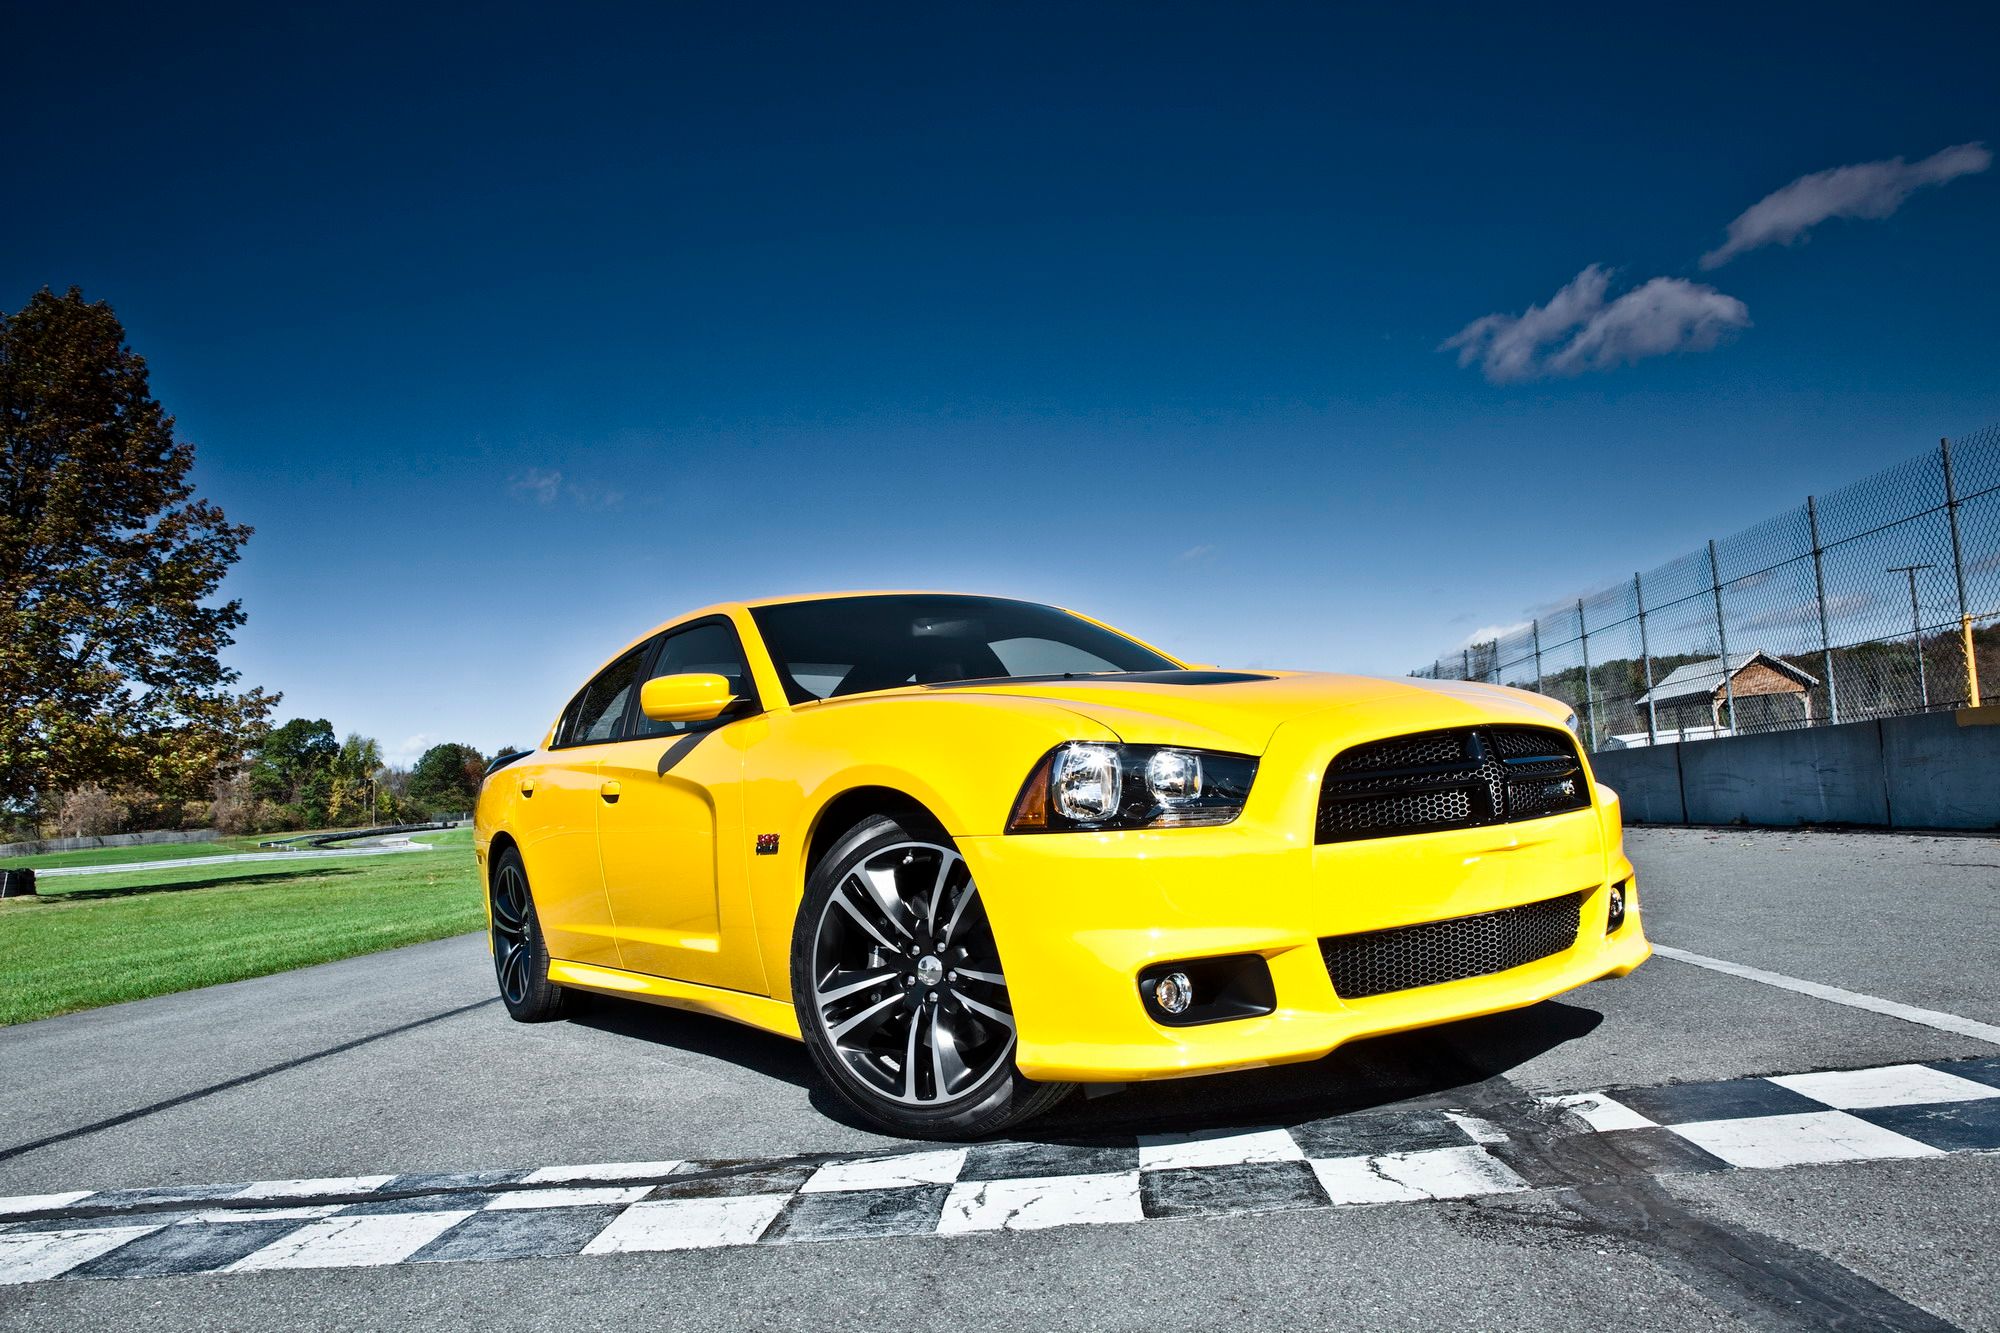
1412	1069
1428	1067
762	1052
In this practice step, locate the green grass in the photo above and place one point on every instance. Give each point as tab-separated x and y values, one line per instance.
100	939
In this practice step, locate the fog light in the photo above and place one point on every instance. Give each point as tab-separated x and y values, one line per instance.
1615	917
1174	992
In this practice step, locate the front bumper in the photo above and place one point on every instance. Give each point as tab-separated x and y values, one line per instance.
1079	915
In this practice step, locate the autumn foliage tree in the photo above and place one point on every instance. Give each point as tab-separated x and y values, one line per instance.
110	633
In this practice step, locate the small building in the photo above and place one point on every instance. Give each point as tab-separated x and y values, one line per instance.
1770	694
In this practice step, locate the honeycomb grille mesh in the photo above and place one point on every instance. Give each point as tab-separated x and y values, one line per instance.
1406	957
1420	810
1526	742
1462	778
1527	799
1434	747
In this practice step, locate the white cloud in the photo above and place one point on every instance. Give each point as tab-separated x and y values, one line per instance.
545	486
1201	552
411	750
1579	330
1861	190
1490	633
542	485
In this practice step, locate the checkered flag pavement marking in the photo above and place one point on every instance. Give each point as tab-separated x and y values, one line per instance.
1373	1157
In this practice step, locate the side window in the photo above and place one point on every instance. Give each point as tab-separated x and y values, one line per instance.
710	648
597	712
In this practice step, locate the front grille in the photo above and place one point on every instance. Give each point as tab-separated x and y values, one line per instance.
1437	780
1405	957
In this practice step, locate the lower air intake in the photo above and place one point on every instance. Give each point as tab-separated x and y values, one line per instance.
1406	957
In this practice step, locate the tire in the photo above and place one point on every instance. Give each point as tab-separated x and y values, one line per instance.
900	994
520	955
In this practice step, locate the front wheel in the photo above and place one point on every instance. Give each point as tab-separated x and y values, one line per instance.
900	992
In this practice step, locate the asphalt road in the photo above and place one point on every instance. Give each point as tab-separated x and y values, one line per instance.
401	1063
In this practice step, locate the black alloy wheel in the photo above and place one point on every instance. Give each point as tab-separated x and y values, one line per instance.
520	958
901	994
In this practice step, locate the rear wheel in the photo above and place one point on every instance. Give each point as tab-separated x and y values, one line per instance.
901	996
520	957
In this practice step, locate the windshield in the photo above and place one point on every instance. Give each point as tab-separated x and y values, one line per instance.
849	645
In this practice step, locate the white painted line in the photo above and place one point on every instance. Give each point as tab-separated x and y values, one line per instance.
1450	1173
1029	1204
882	1173
689	1224
306	1189
1600	1112
1892	1085
34	1256
1796	1140
1479	1131
36	1203
1226	1147
1350	1180
1432	1173
1930	1018
569	1198
352	1242
562	1175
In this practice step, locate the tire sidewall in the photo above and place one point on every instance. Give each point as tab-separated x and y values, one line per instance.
544	1000
982	1108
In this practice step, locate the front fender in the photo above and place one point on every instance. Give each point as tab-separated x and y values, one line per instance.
962	757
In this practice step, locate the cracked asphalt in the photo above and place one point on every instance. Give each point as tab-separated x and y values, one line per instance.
397	1063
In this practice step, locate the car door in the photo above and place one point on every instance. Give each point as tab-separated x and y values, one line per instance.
558	816
670	826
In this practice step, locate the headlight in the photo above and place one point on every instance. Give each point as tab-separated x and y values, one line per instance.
1086	786
1570	722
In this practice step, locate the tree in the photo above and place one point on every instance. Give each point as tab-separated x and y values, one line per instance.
290	758
109	564
90	812
446	778
359	759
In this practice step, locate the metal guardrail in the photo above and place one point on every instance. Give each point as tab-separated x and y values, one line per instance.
328	839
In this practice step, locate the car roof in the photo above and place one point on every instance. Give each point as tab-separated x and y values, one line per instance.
752	603
880	592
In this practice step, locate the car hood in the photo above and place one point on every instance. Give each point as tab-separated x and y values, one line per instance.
1240	711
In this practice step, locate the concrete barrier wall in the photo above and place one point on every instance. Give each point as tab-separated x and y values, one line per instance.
155	839
1648	781
1942	775
1936	770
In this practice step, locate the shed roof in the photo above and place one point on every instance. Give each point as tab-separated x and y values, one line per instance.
1702	679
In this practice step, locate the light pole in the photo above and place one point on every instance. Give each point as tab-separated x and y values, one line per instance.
1916	629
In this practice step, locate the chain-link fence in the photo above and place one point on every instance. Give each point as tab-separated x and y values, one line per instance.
1877	600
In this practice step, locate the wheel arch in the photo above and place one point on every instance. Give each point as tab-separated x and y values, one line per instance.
848	809
502	841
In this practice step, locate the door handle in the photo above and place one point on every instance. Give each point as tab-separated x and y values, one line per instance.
527	786
608	790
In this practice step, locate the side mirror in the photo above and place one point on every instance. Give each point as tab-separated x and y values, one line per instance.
693	697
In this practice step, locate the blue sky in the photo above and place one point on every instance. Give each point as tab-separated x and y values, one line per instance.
515	332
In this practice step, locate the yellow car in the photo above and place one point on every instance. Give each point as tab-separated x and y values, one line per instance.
974	851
